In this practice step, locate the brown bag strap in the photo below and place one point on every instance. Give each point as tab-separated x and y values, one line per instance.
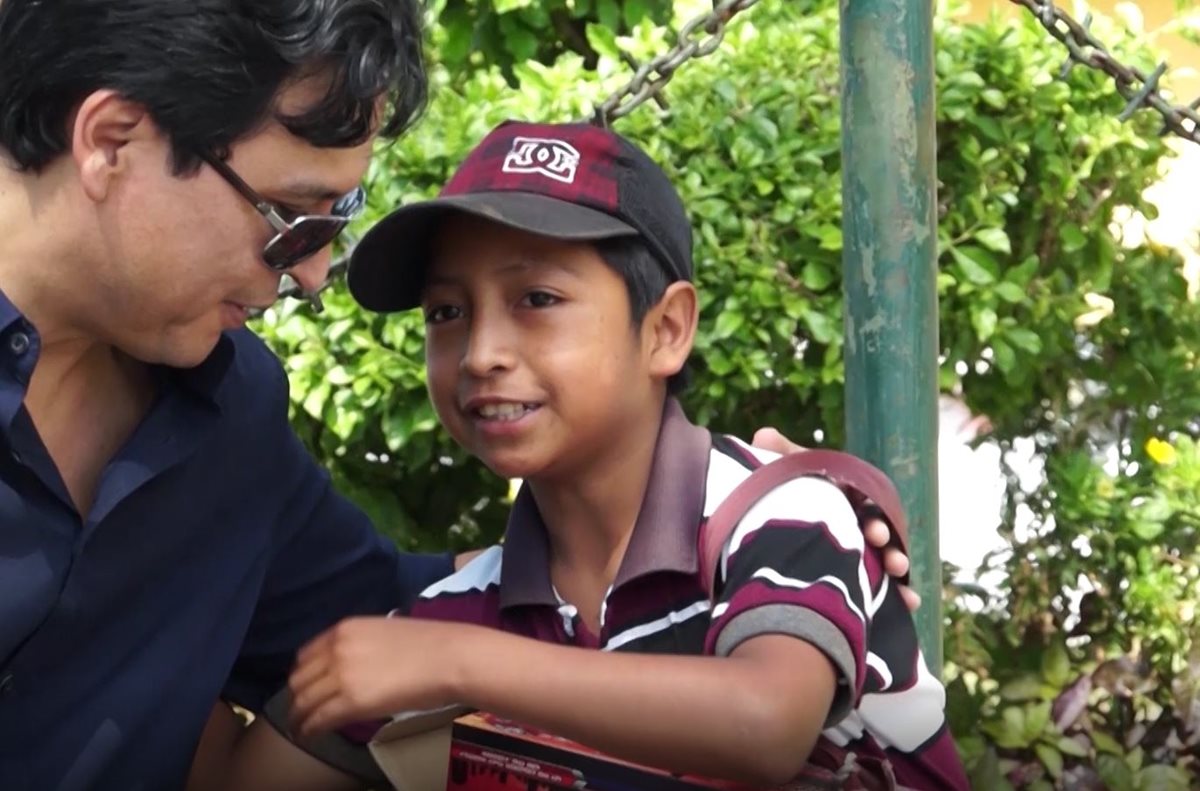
863	484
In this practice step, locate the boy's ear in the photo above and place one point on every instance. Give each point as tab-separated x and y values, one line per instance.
669	329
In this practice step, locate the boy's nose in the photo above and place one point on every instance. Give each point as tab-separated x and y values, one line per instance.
488	351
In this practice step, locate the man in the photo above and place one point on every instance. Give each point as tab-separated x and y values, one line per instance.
165	541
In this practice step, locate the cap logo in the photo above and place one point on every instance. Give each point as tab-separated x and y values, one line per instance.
551	158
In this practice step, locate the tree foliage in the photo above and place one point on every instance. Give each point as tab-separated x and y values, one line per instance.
1070	341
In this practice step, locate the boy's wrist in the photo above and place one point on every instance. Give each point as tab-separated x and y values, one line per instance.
465	666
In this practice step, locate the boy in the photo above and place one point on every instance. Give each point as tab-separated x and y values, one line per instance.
554	274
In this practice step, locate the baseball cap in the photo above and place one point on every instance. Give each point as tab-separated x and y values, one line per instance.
575	182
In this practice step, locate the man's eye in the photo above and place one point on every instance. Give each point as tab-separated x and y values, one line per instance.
540	299
288	213
441	313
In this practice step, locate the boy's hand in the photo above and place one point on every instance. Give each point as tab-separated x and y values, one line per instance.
876	531
368	668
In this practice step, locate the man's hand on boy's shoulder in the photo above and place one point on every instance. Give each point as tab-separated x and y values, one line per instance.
876	531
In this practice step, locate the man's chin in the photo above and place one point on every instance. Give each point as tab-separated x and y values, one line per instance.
186	352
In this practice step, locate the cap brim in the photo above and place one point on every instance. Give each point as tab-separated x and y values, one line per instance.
387	267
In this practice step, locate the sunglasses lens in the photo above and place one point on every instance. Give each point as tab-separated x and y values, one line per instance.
307	236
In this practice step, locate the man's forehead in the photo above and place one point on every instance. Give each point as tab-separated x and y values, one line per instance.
284	162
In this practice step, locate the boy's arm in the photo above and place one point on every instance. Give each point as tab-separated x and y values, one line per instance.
753	716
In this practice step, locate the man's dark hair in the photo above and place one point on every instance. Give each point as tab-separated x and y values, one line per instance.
208	71
646	281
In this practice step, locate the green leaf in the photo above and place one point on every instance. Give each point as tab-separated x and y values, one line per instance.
824	328
1028	340
504	6
1069	746
1026	687
1051	759
1072	237
1011	292
994	98
1106	743
1056	664
609	14
977	264
1162	778
1116	775
635	11
603	39
1147	531
984	320
817	276
521	42
1023	273
831	237
1005	357
728	323
1037	720
994	239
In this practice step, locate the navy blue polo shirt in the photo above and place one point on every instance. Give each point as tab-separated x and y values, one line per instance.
215	548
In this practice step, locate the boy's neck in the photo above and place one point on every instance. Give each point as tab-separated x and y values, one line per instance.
590	517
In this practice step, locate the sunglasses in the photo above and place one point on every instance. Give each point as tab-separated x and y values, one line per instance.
299	237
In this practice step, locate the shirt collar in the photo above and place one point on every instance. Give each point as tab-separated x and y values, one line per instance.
664	537
8	313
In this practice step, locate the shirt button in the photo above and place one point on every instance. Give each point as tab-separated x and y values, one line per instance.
6	685
18	343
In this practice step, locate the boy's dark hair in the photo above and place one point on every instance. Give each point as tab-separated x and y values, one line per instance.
208	71
646	281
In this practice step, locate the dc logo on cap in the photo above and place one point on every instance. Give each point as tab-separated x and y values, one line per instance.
551	158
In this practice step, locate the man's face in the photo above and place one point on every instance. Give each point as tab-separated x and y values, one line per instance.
533	364
181	257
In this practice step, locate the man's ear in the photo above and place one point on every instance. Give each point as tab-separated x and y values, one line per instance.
669	329
102	130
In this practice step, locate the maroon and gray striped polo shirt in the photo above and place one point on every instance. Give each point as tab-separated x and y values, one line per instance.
795	565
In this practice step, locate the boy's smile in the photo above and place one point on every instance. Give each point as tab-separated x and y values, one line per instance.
534	363
500	417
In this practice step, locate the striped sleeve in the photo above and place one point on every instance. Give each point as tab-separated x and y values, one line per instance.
794	565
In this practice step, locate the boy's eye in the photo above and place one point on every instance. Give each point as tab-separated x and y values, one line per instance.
540	299
441	313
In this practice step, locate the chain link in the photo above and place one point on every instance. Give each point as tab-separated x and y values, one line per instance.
1138	88
699	37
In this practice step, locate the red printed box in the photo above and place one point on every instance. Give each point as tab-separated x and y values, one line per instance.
488	753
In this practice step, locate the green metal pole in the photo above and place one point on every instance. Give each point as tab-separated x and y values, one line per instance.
889	196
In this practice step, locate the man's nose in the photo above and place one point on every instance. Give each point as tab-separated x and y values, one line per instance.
311	273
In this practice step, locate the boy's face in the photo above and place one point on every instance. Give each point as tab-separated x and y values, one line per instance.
533	363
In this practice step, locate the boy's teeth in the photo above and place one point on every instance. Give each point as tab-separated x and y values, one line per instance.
503	411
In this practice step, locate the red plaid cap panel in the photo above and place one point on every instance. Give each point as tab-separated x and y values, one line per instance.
577	163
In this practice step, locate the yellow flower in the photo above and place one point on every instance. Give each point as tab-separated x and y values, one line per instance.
1160	451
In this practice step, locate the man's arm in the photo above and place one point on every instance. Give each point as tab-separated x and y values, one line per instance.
235	757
